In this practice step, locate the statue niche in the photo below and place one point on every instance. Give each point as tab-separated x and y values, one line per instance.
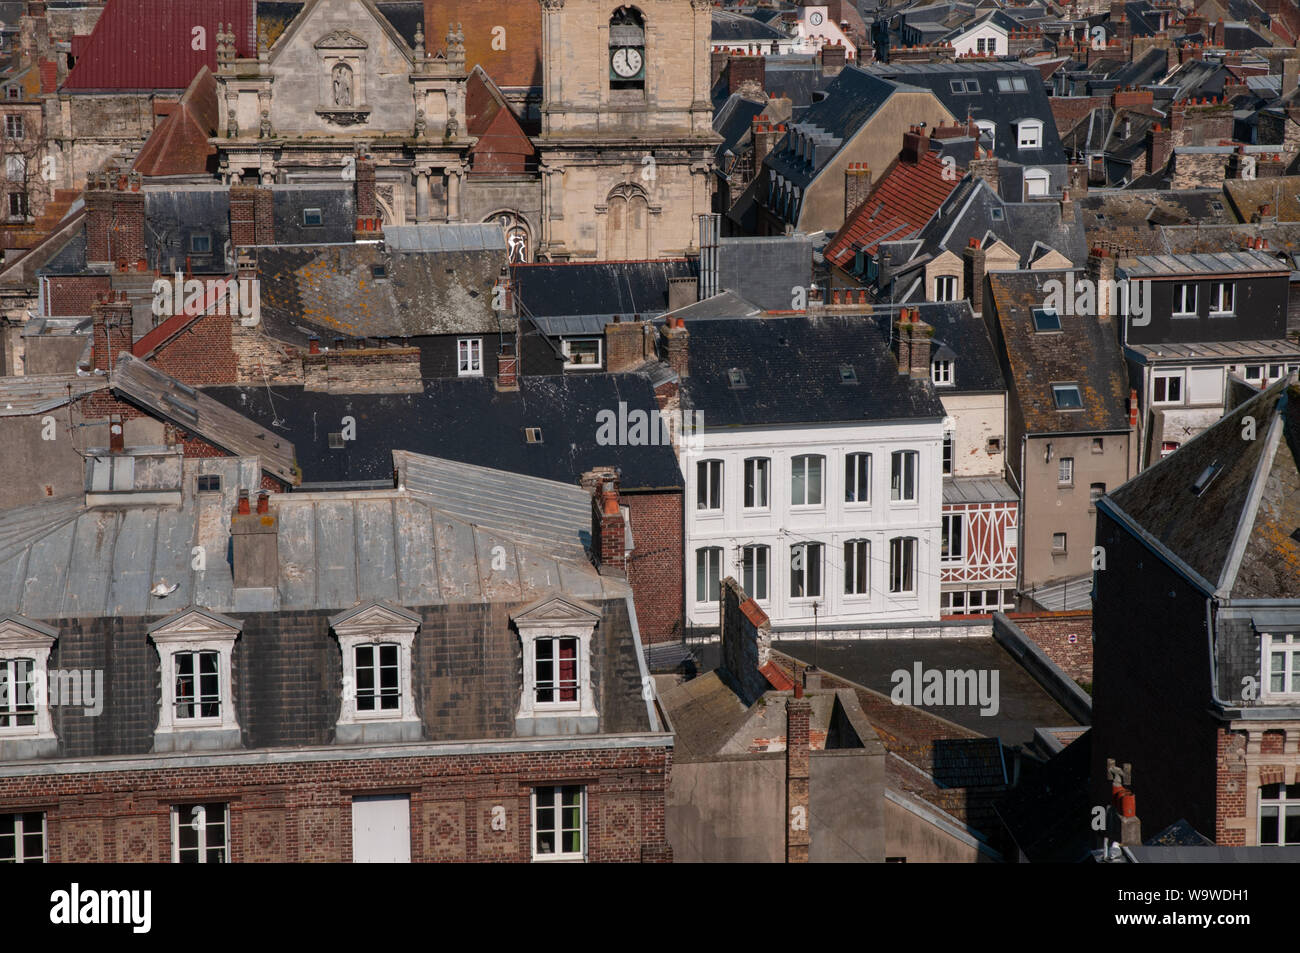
342	86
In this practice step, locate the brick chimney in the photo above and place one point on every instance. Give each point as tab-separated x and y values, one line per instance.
255	541
1159	145
1124	826
628	344
1067	207
111	329
985	166
1077	180
764	135
508	367
915	145
746	69
973	257
676	340
114	219
857	185
913	337
1101	269
252	215
608	531
798	817
369	224
833	57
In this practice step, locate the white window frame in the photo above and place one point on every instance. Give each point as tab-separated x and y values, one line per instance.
1287	644
987	126
714	490
857	482
803	570
945	287
1283	804
1037	176
376	623
749	571
1221	291
1180	299
709	558
1165	377
1065	471
26	640
901	489
570	364
558	856
16	167
760	498
15	127
197	700
469	357
1029	134
1257	375
948	452
1064	547
557	617
803	461
200	822
195	630
946	529
901	582
941	372
857	556
21	833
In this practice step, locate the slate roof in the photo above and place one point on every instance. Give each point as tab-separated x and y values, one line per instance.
439	281
965	337
1281	192
165	397
123	55
1040	811
898	207
731	27
174	214
466	420
1250	262
765	269
1000	107
1130	217
1238	534
604	288
733	122
1085	351
725	304
782	357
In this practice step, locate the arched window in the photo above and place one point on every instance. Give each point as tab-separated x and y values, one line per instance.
627	50
627	229
519	242
1036	182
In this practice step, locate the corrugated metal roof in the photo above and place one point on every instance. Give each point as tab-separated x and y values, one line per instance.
150	388
445	237
59	559
20	396
977	490
1218	351
1219	263
148	44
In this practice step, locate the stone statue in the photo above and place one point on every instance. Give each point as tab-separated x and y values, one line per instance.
266	132
342	86
453	127
420	124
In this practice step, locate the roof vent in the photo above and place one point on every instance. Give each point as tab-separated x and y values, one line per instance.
533	434
1206	478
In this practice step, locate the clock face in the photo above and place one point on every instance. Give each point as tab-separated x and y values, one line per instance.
816	18
627	62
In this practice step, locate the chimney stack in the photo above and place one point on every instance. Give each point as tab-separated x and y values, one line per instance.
915	145
112	326
627	345
1101	270
608	531
115	219
255	541
369	224
1067	207
798	817
676	340
252	215
985	166
857	185
973	257
116	435
1159	146
913	344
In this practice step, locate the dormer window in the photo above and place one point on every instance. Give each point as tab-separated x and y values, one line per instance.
941	372
1029	134
557	695
26	728
378	705
197	708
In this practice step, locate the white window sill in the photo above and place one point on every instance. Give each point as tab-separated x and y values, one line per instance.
1223	314
393	714
560	859
469	374
1183	314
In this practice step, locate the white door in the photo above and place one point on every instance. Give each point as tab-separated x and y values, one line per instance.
381	830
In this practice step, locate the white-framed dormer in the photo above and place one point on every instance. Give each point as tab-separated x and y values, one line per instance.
1280	666
558	687
26	728
1029	134
378	700
197	705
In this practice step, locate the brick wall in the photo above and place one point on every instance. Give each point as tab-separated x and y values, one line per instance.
654	569
302	812
73	295
1052	632
201	354
260	358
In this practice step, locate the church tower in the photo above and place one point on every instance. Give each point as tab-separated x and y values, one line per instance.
627	137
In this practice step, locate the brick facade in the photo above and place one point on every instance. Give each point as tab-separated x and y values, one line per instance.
73	295
201	354
1052	632
654	568
301	812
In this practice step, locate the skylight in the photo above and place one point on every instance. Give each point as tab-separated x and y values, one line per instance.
1067	397
736	378
847	374
1046	319
533	434
1206	478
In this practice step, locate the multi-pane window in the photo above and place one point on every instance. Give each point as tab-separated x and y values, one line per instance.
754	567
941	372
902	475
945	288
15	168
1255	372
559	822
379	677
17	698
1065	471
14	126
200	834
1283	660
556	670
806	570
198	684
857	567
17	204
1167	447
952	547
1167	387
469	357
806	480
22	838
1279	815
756	482
857	478
708	485
708	573
1184	299
947	454
1222	297
902	564
581	352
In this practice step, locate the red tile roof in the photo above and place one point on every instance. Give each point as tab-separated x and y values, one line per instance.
49	76
169	328
515	62
503	147
898	206
776	678
148	44
179	143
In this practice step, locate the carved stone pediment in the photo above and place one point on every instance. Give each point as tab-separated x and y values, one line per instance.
345	117
341	40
